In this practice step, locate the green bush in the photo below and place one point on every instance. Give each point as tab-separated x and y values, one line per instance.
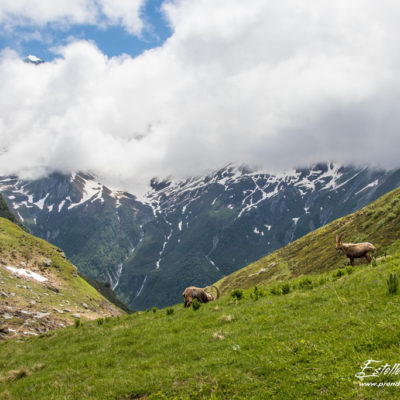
100	321
322	281
169	311
196	304
285	288
305	283
257	293
349	270
338	273
373	262
154	309
78	323
392	283
275	290
237	294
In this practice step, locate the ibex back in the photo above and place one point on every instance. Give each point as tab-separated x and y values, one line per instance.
193	292
355	250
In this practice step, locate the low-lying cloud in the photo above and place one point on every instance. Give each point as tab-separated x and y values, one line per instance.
275	84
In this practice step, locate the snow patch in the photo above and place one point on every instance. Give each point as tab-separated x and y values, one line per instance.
27	273
40	203
372	184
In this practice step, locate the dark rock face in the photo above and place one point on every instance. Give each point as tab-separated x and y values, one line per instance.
191	232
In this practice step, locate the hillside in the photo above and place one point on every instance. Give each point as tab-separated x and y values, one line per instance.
315	252
309	343
40	289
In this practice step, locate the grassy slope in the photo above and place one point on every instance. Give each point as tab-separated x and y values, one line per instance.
308	343
16	247
378	223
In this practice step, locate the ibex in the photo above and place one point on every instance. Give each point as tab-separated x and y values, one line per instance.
355	250
193	292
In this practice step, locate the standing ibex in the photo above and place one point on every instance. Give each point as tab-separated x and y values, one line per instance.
193	292
355	250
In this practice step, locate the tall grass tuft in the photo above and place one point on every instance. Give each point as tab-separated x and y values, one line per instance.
237	294
195	304
392	283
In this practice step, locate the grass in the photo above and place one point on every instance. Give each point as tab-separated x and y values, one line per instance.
315	252
305	344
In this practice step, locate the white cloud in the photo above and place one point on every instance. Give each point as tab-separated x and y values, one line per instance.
126	13
277	84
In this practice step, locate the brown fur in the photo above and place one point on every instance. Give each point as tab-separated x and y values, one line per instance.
193	292
355	250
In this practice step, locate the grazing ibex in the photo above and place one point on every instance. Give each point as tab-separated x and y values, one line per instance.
193	292
355	250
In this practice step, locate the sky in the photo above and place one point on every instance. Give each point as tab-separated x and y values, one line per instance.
132	89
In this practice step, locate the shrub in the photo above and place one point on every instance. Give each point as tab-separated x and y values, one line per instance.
154	309
305	283
338	273
349	270
322	281
275	290
257	293
374	262
196	304
392	283
100	321
285	288
169	311
237	294
77	323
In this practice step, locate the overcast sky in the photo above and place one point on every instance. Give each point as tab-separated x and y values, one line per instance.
135	89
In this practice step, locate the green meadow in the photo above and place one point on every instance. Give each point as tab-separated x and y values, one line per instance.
310	342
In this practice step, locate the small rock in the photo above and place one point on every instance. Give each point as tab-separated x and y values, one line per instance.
54	289
76	316
33	302
85	306
12	294
262	270
41	315
7	316
3	261
67	310
47	262
3	294
59	311
22	264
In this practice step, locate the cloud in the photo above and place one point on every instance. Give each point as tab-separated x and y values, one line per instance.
258	82
14	13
